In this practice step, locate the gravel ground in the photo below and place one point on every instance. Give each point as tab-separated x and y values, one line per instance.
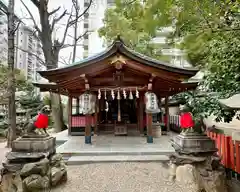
119	177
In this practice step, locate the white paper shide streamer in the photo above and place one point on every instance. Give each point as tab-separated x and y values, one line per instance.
118	95
124	94
99	94
105	95
130	95
112	94
137	93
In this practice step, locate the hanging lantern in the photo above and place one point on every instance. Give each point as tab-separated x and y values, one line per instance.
151	103
99	94
124	94
137	93
87	103
112	93
130	95
105	95
118	95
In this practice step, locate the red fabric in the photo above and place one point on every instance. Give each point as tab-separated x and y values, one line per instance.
186	120
42	121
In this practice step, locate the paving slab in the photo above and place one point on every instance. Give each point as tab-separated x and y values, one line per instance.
112	144
78	160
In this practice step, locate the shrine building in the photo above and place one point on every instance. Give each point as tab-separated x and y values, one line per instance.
117	91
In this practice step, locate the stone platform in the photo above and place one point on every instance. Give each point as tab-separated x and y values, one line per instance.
110	148
38	144
29	149
193	143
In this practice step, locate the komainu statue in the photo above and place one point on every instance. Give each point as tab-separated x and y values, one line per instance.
39	122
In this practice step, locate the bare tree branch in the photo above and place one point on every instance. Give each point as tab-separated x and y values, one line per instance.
29	12
82	35
70	23
16	28
70	45
3	10
54	11
35	55
83	13
55	20
67	26
64	60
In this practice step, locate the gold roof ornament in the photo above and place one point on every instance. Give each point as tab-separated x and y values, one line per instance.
118	61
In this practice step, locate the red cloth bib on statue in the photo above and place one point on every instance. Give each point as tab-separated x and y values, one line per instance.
42	121
186	120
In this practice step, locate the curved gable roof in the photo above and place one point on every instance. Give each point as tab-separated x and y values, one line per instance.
118	47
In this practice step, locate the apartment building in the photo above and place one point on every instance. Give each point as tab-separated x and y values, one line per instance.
93	20
28	52
93	44
173	54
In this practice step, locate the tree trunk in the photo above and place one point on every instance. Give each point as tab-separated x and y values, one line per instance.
75	33
57	112
11	79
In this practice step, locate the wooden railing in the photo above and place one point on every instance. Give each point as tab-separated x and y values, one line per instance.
229	151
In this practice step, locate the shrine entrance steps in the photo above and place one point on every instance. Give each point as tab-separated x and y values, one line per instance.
109	148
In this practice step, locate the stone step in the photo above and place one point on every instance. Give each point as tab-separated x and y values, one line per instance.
78	160
119	153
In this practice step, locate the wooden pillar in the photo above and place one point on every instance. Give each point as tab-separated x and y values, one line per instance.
88	131
167	114
141	113
96	117
69	114
149	118
77	105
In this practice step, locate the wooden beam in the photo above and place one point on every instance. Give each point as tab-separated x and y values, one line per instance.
86	81
79	71
153	70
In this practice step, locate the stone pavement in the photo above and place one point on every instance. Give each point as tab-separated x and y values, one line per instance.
120	177
110	143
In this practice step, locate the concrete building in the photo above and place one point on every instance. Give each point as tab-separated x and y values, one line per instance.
175	55
28	52
92	43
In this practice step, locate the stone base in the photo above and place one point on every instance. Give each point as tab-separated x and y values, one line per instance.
88	140
193	143
38	176
157	131
198	173
29	149
149	139
35	144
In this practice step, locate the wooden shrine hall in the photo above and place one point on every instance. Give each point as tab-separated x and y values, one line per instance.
117	80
